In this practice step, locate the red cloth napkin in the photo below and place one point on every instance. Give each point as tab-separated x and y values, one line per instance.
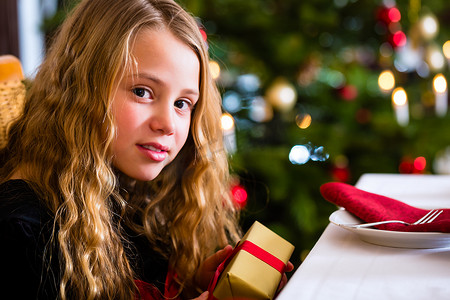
371	207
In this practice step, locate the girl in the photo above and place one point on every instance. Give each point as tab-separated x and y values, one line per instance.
114	182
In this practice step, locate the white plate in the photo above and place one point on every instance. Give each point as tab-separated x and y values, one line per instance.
422	240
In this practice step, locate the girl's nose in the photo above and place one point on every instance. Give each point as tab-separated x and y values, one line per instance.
163	120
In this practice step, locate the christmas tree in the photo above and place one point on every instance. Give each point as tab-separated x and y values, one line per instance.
318	91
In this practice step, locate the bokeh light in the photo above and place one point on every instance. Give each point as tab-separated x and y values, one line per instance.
348	92
420	163
408	58
446	49
439	83
303	120
248	83
287	94
227	122
406	166
260	110
429	26
436	59
394	14
282	95
423	70
399	39
231	101
215	69
204	35
239	195
319	154
299	155
386	80
399	97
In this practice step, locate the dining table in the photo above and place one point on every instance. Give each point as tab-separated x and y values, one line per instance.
342	266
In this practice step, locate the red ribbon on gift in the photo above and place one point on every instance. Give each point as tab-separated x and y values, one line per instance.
254	250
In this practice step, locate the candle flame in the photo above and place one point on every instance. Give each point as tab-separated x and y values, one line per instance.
399	97
227	122
439	83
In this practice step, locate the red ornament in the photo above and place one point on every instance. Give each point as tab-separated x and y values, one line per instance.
419	164
394	15
239	196
406	167
204	35
341	174
389	15
398	39
412	166
348	92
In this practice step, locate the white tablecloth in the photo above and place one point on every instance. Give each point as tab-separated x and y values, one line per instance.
342	267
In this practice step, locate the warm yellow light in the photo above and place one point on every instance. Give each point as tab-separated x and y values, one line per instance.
446	49
303	121
429	26
439	83
287	94
399	97
386	80
215	69
281	95
227	122
436	59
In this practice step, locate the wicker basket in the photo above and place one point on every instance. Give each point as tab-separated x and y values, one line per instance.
12	93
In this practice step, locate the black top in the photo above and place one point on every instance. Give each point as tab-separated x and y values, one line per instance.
25	228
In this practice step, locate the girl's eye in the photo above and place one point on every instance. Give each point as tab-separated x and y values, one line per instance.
183	104
142	93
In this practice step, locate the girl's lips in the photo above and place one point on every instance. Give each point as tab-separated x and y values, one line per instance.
154	151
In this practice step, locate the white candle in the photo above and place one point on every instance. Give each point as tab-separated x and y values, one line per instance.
400	105
440	94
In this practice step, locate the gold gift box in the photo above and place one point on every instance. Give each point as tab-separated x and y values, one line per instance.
247	276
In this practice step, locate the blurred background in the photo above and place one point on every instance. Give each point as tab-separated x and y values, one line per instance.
313	91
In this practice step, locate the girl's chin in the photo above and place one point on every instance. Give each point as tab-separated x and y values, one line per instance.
146	177
141	172
140	176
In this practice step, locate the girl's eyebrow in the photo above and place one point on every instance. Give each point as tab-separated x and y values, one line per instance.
155	79
148	76
193	93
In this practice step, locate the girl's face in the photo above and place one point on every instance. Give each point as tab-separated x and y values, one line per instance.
153	104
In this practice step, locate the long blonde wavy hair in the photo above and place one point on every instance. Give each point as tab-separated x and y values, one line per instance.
61	146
